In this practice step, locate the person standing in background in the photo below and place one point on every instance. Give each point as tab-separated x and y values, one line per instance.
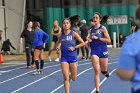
56	30
28	35
84	33
76	28
40	40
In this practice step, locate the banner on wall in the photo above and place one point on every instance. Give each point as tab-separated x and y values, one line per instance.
115	20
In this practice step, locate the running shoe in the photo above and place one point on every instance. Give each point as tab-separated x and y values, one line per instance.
33	66
107	74
49	58
41	71
97	91
36	73
57	59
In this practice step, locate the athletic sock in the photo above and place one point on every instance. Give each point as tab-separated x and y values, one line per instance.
37	64
41	64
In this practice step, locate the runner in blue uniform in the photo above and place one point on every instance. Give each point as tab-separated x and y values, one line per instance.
38	46
99	52
68	52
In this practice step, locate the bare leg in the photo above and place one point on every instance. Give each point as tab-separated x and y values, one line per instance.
65	71
96	67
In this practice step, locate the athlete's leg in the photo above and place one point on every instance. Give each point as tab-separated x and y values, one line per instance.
104	66
36	58
73	71
41	60
51	49
65	71
58	54
83	52
87	52
28	51
96	67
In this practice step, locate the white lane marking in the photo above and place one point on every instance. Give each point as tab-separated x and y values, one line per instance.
30	72
12	69
6	71
25	74
77	76
22	67
8	66
41	79
36	81
103	80
18	64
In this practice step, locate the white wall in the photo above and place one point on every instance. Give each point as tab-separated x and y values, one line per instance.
15	14
2	22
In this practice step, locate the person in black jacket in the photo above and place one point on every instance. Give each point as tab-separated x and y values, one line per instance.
84	33
6	47
28	34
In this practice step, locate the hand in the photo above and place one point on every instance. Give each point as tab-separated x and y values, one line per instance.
32	49
93	37
71	48
57	50
86	44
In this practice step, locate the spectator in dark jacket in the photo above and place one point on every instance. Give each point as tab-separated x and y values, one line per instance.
6	47
28	34
84	33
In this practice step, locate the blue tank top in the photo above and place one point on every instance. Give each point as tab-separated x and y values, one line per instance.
98	45
67	41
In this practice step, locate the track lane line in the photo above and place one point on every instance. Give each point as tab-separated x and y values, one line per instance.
42	79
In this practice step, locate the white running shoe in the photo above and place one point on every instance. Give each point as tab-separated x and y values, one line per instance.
49	58
57	59
36	73
41	71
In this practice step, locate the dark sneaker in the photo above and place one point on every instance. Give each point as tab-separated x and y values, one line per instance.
107	75
41	71
82	58
97	91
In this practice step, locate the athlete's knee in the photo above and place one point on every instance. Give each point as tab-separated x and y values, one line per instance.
97	71
105	73
51	50
73	78
66	78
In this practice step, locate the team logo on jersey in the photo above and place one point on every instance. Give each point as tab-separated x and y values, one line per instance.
69	38
105	53
99	31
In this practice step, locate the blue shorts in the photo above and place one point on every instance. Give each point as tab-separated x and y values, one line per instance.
137	91
69	59
100	54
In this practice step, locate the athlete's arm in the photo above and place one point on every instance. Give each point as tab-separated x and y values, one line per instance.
107	37
52	32
125	74
77	37
59	42
127	60
59	31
